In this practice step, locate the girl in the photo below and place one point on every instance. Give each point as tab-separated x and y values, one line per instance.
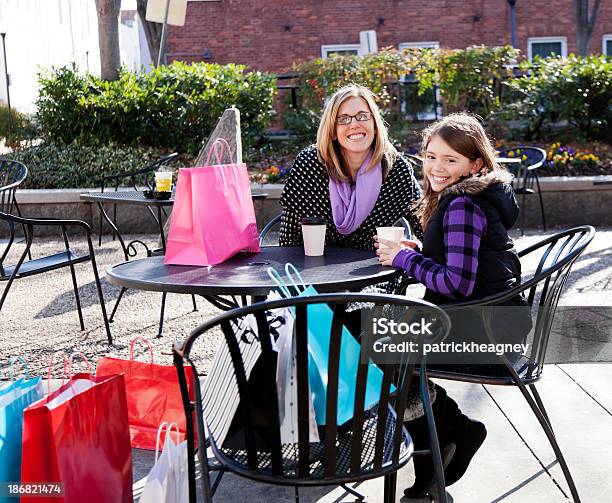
466	210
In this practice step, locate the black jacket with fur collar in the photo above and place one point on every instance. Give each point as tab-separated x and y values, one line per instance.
498	265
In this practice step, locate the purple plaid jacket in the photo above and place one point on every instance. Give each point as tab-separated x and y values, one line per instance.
464	225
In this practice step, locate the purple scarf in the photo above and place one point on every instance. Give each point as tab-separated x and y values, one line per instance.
351	205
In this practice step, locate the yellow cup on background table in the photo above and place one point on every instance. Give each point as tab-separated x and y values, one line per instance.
163	181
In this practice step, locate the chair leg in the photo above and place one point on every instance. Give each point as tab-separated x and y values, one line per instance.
390	487
523	211
112	316
76	296
352	491
538	400
541	202
161	316
297	494
433	435
14	275
99	288
541	417
195	306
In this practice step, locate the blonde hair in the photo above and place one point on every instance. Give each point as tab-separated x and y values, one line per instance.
329	150
465	135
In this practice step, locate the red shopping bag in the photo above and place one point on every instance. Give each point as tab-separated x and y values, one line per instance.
213	216
153	395
78	437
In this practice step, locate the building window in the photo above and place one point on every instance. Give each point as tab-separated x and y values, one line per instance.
419	45
607	45
546	46
340	50
419	107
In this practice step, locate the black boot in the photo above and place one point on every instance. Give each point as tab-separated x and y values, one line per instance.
468	442
445	412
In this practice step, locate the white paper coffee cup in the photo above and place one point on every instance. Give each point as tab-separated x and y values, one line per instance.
313	233
395	234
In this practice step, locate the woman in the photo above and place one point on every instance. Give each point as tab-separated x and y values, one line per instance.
355	179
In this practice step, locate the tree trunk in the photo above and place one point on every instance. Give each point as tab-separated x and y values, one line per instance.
108	37
152	30
585	22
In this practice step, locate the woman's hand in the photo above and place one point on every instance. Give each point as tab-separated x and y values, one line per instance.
388	253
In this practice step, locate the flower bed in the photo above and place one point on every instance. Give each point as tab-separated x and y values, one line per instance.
588	159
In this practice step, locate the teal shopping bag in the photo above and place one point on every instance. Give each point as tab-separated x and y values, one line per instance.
14	399
319	331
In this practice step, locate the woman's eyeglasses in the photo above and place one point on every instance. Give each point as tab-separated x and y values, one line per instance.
347	119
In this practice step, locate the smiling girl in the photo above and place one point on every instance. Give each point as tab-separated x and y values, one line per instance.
466	211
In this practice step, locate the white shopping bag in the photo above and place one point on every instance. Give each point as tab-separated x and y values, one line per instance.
286	378
167	481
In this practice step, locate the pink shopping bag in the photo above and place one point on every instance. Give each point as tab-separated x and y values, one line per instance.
213	216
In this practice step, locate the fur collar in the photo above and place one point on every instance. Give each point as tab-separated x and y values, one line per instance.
474	185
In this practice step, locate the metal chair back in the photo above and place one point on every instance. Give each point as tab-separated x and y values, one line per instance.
339	457
12	175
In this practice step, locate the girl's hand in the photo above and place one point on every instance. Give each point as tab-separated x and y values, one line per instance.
388	253
409	243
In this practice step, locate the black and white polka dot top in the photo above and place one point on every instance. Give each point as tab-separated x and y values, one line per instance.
306	194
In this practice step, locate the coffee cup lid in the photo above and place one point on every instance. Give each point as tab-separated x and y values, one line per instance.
313	221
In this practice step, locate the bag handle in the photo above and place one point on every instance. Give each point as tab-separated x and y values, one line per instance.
24	366
167	430
274	276
147	343
213	147
83	357
65	358
289	267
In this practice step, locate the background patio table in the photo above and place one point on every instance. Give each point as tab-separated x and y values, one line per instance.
246	273
137	198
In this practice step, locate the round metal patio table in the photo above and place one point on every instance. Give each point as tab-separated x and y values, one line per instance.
246	273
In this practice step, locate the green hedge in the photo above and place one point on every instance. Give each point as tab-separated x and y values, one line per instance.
575	90
171	107
55	165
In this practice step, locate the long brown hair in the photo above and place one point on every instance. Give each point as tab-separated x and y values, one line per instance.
328	148
465	135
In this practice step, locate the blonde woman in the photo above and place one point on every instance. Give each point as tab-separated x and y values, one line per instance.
353	177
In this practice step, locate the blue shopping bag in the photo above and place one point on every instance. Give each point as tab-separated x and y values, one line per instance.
319	332
14	398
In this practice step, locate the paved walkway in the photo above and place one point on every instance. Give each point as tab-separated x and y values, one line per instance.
515	463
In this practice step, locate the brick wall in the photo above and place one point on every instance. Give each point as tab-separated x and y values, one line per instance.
271	34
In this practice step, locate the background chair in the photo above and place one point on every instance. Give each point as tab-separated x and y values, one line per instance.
417	162
526	179
543	289
372	444
140	178
23	267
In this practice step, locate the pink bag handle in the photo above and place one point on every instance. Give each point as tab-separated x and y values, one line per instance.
147	343
213	147
83	357
167	430
51	367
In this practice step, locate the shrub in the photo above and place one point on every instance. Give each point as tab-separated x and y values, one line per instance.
468	79
22	128
55	165
575	90
171	107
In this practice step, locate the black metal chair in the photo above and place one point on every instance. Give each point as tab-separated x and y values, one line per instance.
543	289
417	161
24	268
273	227
372	444
141	177
526	179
